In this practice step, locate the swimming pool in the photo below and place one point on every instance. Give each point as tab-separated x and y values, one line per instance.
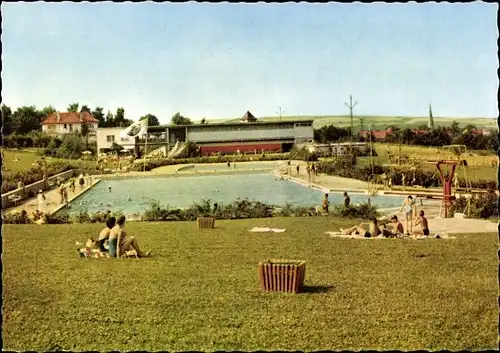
133	195
222	167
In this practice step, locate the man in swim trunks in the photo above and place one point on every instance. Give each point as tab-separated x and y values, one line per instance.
424	224
373	231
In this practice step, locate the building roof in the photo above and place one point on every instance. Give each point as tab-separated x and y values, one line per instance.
248	117
69	118
229	123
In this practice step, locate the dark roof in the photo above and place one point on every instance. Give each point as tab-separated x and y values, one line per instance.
248	117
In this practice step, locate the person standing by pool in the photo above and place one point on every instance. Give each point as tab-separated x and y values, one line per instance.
119	243
325	204
298	169
41	201
347	200
81	181
408	206
72	182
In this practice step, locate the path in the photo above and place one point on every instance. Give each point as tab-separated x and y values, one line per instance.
53	200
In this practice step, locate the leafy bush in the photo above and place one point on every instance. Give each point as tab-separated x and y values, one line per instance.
481	206
16	218
363	211
57	219
303	154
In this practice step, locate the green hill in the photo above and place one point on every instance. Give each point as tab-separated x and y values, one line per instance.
376	122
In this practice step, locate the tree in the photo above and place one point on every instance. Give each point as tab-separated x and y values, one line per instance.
85	108
73	107
178	119
455	127
119	117
99	115
7	122
203	121
110	120
152	120
48	110
26	119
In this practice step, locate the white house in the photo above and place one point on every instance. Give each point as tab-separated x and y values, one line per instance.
69	122
106	137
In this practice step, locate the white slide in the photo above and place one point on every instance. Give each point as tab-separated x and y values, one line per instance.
177	150
173	150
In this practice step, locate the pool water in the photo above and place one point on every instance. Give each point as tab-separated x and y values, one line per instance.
182	191
223	167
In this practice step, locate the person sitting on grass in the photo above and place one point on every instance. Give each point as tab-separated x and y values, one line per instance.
104	234
424	224
373	231
398	226
119	243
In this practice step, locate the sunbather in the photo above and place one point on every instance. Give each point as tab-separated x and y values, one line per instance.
104	235
119	243
373	231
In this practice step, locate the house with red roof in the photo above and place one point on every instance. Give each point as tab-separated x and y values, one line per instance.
378	135
69	122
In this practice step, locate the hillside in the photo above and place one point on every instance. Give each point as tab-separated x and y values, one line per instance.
376	122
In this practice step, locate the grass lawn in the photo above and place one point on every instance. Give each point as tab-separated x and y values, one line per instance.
200	291
28	157
26	160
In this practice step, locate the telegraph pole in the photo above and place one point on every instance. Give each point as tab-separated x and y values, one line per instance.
351	106
281	112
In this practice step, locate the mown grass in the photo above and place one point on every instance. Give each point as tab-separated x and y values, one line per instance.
26	160
200	290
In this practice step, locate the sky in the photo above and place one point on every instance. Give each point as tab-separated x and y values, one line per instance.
220	60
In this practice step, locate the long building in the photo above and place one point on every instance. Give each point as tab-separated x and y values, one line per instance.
247	135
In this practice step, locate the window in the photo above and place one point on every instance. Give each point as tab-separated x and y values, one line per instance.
110	138
65	126
124	139
70	127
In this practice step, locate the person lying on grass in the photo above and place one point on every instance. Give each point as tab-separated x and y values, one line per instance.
423	223
373	231
104	234
119	243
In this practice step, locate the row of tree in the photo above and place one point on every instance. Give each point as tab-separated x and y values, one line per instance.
28	118
438	136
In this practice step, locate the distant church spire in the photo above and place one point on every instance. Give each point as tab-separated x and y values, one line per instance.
431	118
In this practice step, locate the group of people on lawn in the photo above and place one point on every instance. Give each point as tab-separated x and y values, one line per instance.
376	230
114	239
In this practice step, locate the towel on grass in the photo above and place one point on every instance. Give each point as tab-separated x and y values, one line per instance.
267	230
97	254
349	236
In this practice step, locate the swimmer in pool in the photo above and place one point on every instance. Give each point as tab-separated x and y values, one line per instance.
109	188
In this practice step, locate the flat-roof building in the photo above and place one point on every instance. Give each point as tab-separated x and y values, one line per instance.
247	135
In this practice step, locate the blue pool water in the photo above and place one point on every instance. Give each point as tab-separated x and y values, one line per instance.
182	191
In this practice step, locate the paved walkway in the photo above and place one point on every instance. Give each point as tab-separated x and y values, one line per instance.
53	200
